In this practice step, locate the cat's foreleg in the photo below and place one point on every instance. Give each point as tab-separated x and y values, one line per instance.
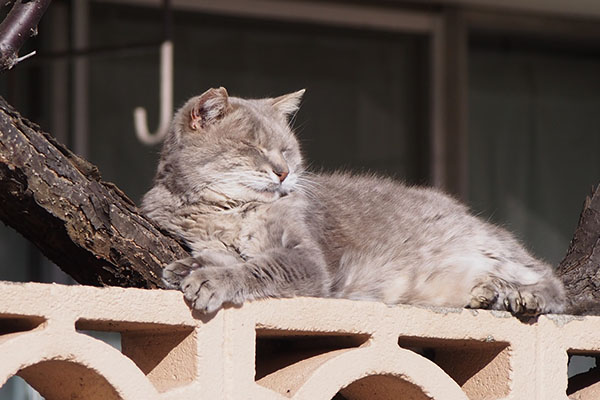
277	273
176	271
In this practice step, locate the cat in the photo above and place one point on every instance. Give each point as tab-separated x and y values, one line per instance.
231	183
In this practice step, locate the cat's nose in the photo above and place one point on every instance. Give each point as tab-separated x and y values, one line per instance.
281	174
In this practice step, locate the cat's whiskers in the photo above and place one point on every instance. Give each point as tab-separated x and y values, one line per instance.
305	179
232	183
305	189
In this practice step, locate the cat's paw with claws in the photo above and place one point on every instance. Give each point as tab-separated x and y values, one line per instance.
207	289
523	303
519	302
483	296
178	270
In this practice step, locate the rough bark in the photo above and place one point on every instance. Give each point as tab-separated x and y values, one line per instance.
86	226
580	269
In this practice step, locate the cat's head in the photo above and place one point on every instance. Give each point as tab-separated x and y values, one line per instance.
243	149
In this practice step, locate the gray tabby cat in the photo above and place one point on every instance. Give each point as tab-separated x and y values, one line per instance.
231	183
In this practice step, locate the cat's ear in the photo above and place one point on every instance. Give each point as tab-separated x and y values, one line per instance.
207	108
288	103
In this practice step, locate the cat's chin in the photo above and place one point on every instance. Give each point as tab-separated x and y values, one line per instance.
268	196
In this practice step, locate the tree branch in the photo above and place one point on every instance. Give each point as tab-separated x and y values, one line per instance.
580	269
86	226
20	24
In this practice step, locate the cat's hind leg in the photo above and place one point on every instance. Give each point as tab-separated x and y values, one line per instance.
498	295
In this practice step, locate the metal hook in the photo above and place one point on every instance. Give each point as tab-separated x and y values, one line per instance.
166	100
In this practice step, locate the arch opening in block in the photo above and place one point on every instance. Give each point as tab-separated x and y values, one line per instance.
480	367
381	387
59	379
584	375
60	363
366	372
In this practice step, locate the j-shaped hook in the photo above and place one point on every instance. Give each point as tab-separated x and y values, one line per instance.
166	100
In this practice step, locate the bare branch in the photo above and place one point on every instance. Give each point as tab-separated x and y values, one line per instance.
19	25
580	270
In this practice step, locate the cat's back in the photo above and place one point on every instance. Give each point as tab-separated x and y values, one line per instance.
370	202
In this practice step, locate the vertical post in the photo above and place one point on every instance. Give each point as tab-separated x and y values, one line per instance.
437	104
167	21
59	70
456	103
80	98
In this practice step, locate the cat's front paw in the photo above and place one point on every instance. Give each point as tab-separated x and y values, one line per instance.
207	289
178	270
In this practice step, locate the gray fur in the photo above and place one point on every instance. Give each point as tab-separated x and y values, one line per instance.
231	182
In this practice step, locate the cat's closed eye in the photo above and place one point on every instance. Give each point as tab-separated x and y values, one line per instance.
251	150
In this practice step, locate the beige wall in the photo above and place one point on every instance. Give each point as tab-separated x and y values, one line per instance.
298	348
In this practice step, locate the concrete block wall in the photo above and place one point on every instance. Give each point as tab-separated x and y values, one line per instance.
299	348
